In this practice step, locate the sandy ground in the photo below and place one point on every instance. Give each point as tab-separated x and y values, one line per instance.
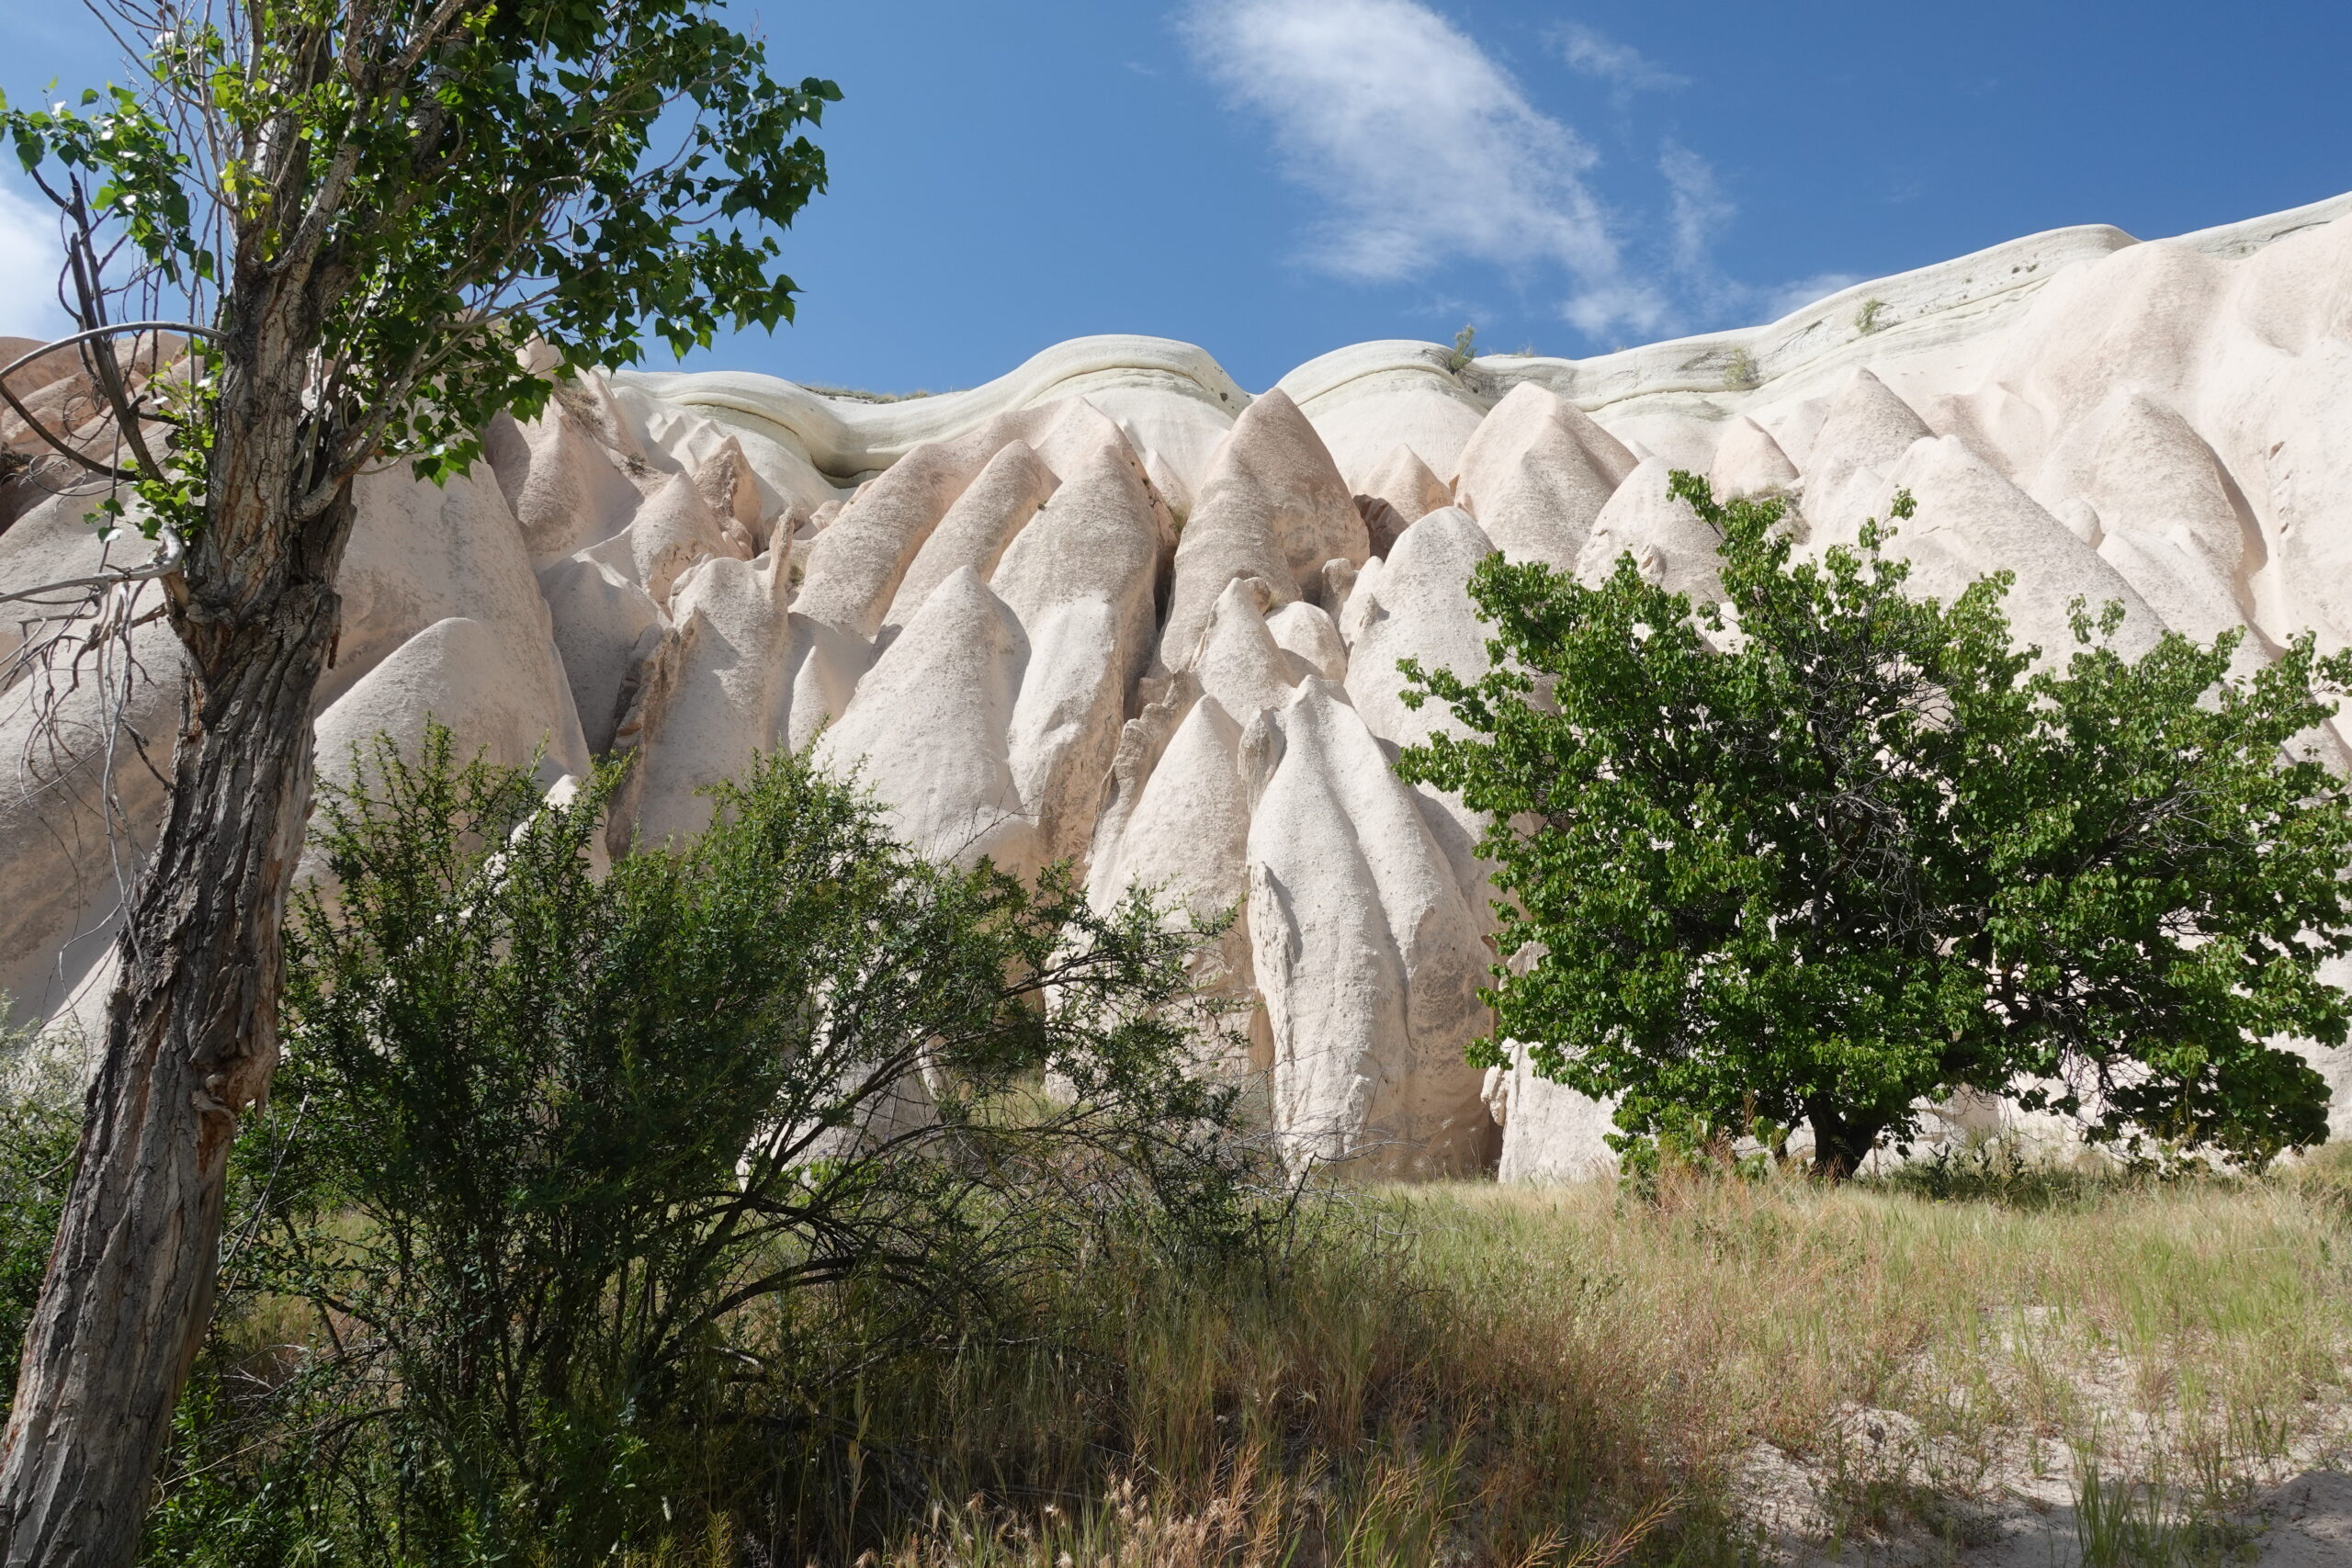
1879	1493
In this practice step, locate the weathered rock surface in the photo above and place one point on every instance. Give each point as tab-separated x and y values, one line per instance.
983	604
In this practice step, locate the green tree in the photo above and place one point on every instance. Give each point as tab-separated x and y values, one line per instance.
1818	850
551	1149
363	211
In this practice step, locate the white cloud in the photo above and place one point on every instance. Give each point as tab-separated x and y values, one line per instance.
1424	148
1698	213
1596	54
28	263
1700	210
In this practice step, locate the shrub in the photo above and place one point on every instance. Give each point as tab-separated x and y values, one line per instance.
1465	349
41	1122
551	1153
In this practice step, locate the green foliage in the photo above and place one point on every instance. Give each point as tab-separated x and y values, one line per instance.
442	185
552	1153
1868	318
41	1122
1465	349
1740	372
1814	852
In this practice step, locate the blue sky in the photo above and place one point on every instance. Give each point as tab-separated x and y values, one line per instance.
1275	178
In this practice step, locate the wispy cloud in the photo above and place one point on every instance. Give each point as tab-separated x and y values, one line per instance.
1698	211
1426	149
28	263
1596	54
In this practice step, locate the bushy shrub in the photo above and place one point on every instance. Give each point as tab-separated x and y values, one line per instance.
40	1121
553	1153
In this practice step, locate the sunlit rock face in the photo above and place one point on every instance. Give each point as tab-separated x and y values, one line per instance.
1113	609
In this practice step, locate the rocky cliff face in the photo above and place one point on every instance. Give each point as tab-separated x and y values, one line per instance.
1110	607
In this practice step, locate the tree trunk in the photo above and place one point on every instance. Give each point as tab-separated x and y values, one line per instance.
1839	1145
192	1023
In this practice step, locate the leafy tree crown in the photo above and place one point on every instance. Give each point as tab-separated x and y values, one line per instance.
441	185
1822	852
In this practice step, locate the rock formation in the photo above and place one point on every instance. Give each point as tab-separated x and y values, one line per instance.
1111	608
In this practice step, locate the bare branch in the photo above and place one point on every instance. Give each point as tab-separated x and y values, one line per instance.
8	393
169	551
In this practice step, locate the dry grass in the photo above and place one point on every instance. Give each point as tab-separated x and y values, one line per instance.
1727	1374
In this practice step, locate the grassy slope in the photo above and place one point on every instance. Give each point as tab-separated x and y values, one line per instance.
1480	1375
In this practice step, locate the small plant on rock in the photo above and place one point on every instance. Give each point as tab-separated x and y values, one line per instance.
1465	349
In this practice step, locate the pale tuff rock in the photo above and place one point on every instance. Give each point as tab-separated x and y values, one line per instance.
602	620
1355	599
984	604
1100	539
727	697
2080	518
740	474
1177	825
2151	308
1188	833
1672	546
1238	662
725	480
928	729
1382	524
52	542
463	675
1549	1133
423	553
977	528
860	560
1972	521
66	864
1080	580
2183	535
1748	462
1143	741
1066	433
1537	473
1408	486
1865	434
825	663
1364	951
559	481
856	564
1418	607
1273	507
2301	466
1371	399
1306	630
674	528
1339	582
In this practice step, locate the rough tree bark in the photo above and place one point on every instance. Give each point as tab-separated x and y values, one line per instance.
192	1023
1840	1144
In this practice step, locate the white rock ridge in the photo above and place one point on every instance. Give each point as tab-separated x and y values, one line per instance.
1113	608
